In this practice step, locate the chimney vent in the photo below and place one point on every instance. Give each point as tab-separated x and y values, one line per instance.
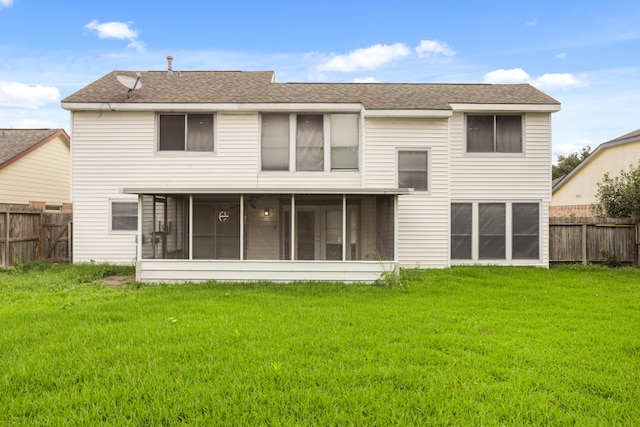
170	65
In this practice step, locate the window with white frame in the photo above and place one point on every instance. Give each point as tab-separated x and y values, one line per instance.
494	133
315	142
486	231
275	142
413	169
186	132
124	216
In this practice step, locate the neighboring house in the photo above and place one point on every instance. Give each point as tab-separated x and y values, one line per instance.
576	191
231	176
34	166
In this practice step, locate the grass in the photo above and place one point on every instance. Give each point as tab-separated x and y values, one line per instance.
462	346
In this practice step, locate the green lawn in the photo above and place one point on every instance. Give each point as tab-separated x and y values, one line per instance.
461	346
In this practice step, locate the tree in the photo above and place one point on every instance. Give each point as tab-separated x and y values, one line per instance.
566	163
619	197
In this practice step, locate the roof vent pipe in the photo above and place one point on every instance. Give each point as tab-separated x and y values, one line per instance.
170	65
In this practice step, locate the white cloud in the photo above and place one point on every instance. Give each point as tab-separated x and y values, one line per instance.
561	55
432	49
117	30
13	94
369	58
5	3
532	23
560	81
365	80
514	75
545	81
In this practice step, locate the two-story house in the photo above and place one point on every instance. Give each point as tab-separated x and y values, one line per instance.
231	176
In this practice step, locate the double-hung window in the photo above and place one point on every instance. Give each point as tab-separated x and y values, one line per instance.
124	216
413	169
309	142
494	133
495	231
186	132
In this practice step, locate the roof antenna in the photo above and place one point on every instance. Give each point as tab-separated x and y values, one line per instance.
130	83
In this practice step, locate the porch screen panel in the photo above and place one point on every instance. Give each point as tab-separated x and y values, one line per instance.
275	142
385	227
200	132
461	230
491	225
526	230
267	227
216	229
309	143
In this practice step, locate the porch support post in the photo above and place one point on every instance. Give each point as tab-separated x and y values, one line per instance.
293	227
140	231
241	227
190	227
344	227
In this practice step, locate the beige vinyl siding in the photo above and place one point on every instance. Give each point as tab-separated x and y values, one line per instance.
582	187
42	175
423	218
502	177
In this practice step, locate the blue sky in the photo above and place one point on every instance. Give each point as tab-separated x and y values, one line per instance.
586	53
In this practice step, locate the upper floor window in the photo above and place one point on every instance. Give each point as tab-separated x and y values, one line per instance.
413	169
186	132
494	133
309	142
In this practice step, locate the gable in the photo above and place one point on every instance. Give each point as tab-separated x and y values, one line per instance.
16	143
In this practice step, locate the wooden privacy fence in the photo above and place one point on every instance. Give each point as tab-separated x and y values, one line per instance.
585	240
30	235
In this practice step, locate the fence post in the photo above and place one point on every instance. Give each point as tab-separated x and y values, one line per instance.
7	245
584	243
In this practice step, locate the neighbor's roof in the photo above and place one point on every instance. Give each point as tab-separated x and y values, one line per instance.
15	143
246	87
624	139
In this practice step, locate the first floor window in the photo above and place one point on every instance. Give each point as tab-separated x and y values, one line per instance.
186	132
495	231
413	169
124	216
494	133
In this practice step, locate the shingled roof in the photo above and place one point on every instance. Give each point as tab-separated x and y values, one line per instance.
247	87
15	142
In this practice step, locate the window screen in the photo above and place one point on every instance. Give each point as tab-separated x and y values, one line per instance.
413	170
526	233
491	223
172	132
200	132
344	141
461	230
190	132
124	216
494	133
309	143
275	142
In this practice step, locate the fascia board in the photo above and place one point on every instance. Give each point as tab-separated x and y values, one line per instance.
231	107
496	108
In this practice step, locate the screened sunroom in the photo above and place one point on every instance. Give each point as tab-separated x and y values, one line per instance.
279	236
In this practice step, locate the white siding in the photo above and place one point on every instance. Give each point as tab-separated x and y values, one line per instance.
40	176
505	177
423	218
